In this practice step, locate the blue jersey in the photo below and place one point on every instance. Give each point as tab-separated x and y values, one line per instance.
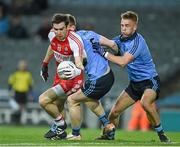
96	64
142	67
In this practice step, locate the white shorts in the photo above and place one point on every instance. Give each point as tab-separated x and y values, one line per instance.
59	90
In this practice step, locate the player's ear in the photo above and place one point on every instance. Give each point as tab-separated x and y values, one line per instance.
135	27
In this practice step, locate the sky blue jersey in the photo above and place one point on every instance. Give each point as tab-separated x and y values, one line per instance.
96	64
142	67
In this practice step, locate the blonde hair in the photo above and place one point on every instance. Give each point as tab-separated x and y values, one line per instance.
130	15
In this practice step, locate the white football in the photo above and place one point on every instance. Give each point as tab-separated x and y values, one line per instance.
63	66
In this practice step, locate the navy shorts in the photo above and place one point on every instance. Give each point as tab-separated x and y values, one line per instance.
97	89
136	89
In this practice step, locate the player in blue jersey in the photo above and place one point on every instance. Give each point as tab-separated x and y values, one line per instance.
98	73
144	82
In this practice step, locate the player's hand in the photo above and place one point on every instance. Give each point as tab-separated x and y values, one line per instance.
97	47
102	51
44	71
71	73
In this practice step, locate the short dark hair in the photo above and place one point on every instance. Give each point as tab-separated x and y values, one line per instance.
130	15
72	19
59	17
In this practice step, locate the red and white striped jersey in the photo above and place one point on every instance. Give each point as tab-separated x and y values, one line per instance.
65	50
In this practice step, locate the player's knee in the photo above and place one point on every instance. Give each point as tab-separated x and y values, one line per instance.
43	100
70	101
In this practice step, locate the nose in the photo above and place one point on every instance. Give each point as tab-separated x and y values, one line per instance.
58	31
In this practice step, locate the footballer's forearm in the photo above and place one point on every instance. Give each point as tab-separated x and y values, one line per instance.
108	43
120	60
49	55
79	62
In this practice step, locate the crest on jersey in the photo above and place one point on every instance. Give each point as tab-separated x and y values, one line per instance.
59	47
66	50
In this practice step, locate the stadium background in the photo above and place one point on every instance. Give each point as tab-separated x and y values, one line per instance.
159	23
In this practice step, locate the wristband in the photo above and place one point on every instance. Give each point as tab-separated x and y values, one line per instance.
106	54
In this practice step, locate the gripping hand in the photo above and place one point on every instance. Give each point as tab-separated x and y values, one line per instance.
97	47
71	73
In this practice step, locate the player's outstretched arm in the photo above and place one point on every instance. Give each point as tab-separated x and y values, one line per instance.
108	43
120	60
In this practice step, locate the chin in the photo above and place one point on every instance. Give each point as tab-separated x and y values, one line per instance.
127	35
124	36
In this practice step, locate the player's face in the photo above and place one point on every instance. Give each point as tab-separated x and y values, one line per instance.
71	27
128	27
60	30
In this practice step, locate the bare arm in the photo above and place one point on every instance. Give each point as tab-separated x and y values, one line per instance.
49	55
79	62
109	43
120	60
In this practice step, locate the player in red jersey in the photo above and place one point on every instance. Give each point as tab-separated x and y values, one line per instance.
65	45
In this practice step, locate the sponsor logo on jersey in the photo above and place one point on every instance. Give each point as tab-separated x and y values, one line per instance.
60	57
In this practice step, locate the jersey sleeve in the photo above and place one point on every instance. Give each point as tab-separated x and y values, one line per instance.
51	35
76	44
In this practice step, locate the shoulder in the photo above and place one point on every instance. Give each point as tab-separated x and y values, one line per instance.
72	33
116	37
51	35
140	39
86	33
75	40
74	36
140	36
117	40
81	32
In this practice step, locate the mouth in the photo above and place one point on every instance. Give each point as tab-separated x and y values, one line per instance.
59	36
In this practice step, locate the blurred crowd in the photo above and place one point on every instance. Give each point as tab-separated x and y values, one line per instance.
11	24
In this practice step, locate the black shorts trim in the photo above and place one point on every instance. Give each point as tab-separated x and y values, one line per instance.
136	89
97	89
